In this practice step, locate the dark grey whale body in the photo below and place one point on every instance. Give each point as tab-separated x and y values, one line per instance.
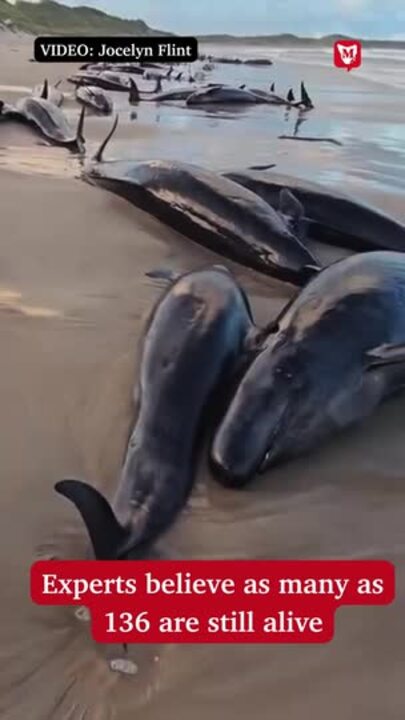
174	95
332	217
210	210
95	98
224	95
193	343
51	122
338	352
107	80
180	93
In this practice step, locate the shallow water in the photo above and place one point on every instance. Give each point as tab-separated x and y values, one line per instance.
363	110
73	300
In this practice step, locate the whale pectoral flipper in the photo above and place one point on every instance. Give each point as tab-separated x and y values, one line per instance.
293	210
106	534
309	271
386	354
166	274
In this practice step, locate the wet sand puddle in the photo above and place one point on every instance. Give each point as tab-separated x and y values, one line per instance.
39	160
12	301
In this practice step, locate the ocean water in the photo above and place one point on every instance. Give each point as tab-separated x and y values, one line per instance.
363	110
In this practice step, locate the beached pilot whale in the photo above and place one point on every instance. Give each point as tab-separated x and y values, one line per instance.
51	122
181	93
338	352
212	211
95	98
271	97
135	96
107	80
194	341
224	95
329	216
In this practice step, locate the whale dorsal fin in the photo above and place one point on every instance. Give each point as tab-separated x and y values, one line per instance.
272	87
45	90
106	534
290	95
305	99
133	92
293	211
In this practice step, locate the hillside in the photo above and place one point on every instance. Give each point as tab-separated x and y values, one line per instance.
52	18
288	40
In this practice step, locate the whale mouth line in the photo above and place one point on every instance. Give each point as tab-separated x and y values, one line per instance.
272	452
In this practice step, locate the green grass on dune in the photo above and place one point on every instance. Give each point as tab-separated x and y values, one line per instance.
52	18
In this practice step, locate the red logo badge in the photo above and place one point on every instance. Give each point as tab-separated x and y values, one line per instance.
347	54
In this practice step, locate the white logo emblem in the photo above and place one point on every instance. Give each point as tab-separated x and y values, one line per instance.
348	53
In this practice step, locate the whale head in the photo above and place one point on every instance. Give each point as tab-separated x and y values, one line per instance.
291	398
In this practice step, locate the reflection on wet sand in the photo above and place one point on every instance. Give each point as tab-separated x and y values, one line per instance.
11	301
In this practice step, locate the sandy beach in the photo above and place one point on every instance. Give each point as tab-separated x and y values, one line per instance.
73	300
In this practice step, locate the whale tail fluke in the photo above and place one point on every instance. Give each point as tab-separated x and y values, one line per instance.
106	534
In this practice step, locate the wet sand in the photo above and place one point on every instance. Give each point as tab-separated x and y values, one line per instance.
73	300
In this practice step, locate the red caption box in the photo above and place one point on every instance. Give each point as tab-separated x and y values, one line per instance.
219	601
